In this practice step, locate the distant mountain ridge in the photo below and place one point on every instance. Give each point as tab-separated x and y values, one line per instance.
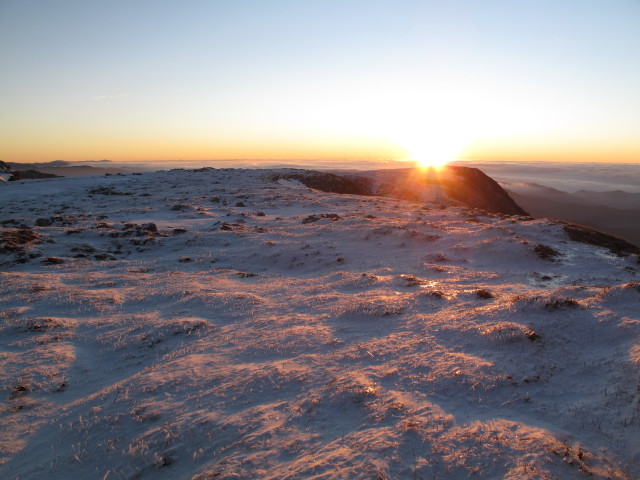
67	169
617	212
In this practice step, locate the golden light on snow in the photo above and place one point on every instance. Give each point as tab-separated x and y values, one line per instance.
323	336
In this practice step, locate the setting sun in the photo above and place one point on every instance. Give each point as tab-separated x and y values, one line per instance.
429	159
433	152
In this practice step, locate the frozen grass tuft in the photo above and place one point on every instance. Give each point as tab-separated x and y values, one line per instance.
509	332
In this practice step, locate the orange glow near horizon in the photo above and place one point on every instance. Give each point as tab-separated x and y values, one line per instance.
550	149
429	125
416	138
425	150
324	81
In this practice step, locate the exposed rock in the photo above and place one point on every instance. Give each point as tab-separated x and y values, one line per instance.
329	182
105	191
180	207
32	175
545	252
484	294
615	245
314	218
44	222
476	189
84	248
18	240
468	186
53	261
104	256
8	172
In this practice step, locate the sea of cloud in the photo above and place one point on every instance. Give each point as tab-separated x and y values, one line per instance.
568	177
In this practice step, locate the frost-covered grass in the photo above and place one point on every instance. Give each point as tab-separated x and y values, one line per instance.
214	324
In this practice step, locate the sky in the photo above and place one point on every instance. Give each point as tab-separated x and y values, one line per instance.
140	80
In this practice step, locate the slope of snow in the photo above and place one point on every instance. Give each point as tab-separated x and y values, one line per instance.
215	324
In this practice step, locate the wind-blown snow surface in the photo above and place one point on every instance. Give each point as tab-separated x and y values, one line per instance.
264	330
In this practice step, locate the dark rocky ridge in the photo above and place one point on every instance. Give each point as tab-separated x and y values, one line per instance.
468	186
6	169
582	234
33	174
329	182
475	188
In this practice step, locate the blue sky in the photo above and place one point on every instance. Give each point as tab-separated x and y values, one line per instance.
158	80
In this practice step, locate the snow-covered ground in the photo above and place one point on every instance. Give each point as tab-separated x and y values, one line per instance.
217	324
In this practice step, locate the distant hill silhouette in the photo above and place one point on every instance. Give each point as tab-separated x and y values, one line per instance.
9	174
609	211
65	169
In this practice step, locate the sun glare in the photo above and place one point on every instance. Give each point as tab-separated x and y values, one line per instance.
436	131
432	154
427	161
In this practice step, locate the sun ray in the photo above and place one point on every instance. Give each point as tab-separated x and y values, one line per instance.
432	152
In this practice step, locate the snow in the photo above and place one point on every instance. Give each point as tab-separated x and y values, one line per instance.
261	329
290	182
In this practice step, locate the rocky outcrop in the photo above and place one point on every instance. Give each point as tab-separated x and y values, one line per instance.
7	173
452	184
474	188
328	182
33	174
582	234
